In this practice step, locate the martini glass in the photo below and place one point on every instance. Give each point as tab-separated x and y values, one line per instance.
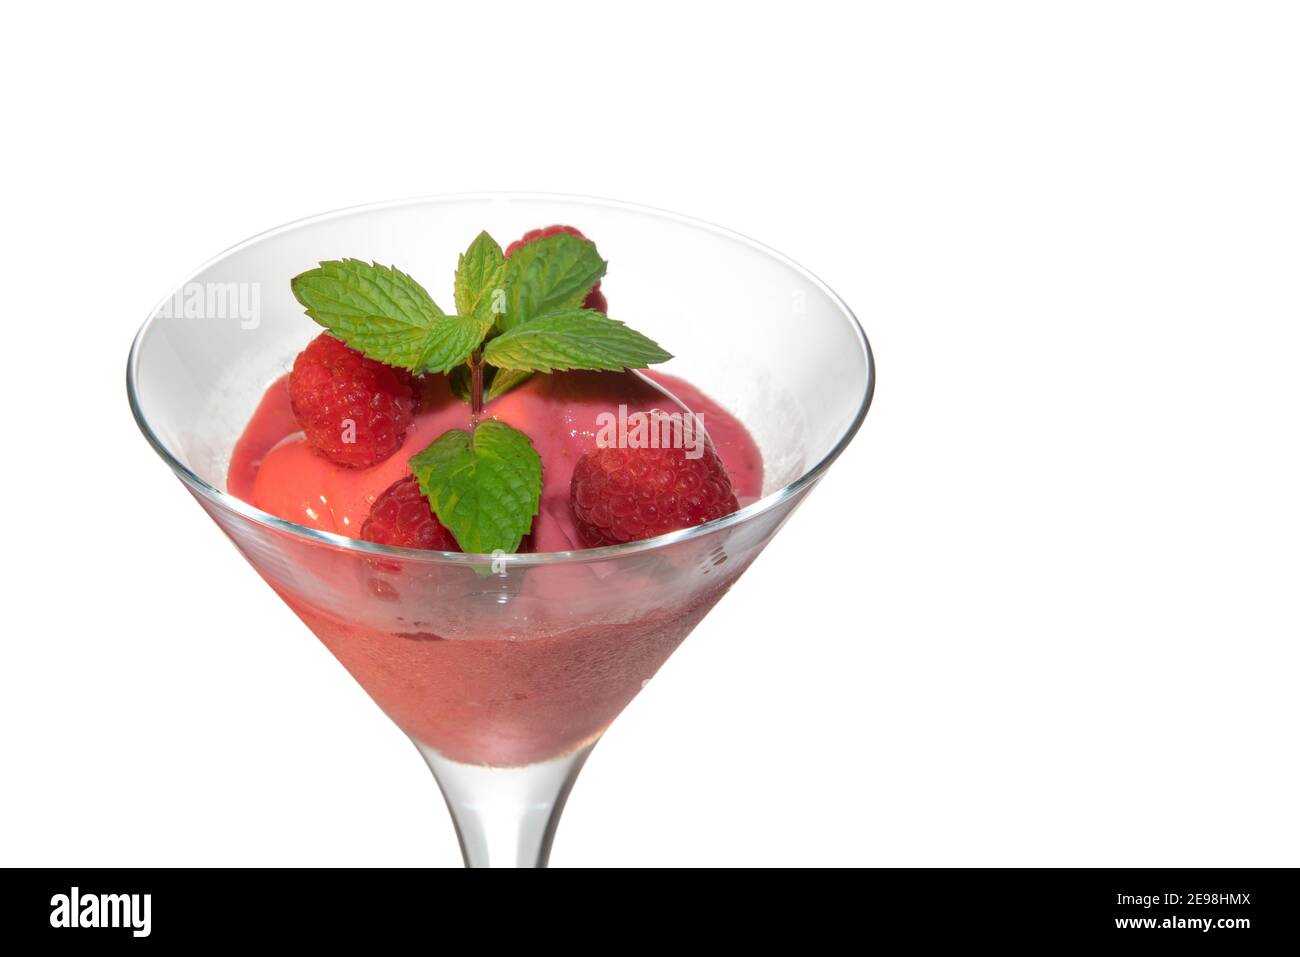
505	670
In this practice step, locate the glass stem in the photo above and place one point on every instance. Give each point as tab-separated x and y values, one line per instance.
505	817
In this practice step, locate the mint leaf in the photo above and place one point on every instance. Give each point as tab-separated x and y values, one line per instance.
387	315
479	273
548	275
451	341
572	339
503	380
484	486
377	309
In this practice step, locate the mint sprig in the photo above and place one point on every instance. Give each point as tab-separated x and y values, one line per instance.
484	486
517	317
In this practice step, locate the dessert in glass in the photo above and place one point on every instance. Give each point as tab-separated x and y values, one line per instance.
500	503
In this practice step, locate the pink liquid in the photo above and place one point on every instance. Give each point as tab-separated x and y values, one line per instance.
486	683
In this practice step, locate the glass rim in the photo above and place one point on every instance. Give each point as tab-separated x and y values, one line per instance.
764	505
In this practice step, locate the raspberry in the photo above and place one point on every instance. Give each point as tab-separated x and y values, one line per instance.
354	410
401	517
622	495
595	298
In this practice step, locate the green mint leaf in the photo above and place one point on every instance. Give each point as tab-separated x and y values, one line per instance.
572	339
387	315
480	272
376	309
549	275
503	380
451	341
484	486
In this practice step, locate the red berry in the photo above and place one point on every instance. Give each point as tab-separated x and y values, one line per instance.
623	495
354	410
595	298
401	517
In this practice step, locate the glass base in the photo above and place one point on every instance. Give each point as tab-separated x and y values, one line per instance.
505	817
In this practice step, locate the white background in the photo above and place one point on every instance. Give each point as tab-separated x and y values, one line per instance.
1043	611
